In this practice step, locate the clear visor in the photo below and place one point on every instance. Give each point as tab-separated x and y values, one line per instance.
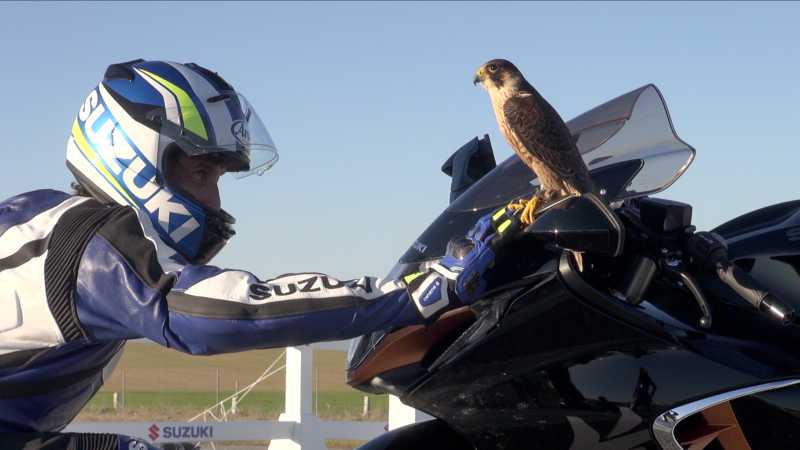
225	126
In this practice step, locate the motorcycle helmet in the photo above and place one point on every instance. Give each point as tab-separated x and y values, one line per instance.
141	112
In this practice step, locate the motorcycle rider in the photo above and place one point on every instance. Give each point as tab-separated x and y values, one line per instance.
127	255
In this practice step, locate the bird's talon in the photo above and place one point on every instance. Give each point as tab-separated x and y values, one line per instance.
528	212
516	205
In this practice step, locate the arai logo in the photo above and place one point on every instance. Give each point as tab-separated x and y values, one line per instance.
240	132
130	168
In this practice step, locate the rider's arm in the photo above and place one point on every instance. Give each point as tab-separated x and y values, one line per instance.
122	292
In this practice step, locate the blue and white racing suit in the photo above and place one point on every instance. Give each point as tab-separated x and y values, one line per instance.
78	278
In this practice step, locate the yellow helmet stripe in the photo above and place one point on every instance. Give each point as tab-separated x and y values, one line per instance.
92	156
189	113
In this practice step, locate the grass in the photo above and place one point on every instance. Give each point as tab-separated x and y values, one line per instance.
167	406
163	384
152	368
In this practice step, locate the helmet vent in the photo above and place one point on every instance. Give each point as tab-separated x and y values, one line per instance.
121	71
213	77
220	97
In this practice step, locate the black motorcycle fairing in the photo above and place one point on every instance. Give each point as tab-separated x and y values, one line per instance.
766	244
494	307
556	374
580	223
758	220
491	311
770	420
611	306
522	265
739	338
569	366
431	434
566	364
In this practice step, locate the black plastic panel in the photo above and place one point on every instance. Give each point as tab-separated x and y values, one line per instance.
558	375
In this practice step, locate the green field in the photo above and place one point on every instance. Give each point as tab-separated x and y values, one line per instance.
257	405
154	383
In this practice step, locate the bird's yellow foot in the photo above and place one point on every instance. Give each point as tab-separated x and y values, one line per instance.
528	212
528	208
516	205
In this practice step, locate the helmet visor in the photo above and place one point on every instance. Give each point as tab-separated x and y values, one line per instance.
225	126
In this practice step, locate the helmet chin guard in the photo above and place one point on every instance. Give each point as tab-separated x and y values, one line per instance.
142	108
219	228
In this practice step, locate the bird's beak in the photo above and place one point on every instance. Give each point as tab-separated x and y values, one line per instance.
478	77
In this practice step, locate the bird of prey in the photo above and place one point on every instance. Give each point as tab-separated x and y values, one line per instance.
536	133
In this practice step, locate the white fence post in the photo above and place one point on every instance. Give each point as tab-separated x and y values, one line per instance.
401	414
299	370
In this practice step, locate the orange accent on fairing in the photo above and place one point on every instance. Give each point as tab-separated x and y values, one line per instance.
410	344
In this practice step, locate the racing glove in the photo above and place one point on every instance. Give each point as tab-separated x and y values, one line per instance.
455	281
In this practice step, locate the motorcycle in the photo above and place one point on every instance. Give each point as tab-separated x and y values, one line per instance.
611	323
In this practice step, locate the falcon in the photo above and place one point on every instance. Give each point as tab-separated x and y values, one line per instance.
536	133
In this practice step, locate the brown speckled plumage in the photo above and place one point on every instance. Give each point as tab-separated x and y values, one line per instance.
535	131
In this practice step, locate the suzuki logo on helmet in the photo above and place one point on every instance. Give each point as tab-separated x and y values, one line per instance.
130	168
240	132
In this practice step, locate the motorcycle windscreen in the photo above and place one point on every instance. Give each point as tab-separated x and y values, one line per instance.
633	129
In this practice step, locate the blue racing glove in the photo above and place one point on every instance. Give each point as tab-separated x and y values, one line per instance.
470	284
455	281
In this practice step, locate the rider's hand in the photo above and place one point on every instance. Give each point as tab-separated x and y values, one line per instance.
455	281
470	284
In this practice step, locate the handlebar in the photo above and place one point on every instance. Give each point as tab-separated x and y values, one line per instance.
708	253
675	246
744	285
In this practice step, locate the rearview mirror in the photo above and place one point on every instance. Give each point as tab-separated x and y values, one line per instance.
469	164
583	224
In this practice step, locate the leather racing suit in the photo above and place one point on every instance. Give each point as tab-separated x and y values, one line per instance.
78	278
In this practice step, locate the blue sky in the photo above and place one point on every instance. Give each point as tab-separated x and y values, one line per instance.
366	100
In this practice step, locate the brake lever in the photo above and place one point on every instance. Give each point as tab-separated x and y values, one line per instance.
674	268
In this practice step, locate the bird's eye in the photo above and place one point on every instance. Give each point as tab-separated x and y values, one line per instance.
492	67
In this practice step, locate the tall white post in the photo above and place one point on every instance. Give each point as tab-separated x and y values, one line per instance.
401	414
299	371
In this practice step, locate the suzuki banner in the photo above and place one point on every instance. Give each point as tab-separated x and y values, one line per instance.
172	432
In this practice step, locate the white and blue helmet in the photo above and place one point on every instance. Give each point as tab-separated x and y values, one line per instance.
141	111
